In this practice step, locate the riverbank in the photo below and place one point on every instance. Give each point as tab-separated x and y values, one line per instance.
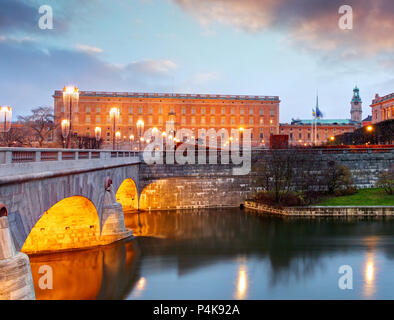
320	211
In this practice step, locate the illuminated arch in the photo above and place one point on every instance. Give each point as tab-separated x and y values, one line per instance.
127	195
71	223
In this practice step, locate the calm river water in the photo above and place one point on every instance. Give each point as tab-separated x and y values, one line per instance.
227	254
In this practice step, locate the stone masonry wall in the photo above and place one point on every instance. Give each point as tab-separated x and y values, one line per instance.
174	186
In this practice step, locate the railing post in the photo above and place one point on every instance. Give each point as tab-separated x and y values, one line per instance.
90	155
8	157
59	156
76	153
38	156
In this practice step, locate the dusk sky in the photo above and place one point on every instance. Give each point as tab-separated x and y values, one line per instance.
267	47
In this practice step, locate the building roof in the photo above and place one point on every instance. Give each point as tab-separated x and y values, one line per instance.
58	93
324	122
382	99
369	118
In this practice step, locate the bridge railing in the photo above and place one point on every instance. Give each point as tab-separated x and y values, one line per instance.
22	155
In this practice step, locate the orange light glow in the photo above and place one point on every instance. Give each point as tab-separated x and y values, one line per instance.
369	128
127	195
242	283
71	223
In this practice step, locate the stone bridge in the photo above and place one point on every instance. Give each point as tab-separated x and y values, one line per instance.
57	199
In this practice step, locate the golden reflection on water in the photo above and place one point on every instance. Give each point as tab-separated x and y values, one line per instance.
99	273
242	283
369	276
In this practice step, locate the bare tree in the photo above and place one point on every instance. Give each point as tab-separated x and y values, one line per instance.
42	124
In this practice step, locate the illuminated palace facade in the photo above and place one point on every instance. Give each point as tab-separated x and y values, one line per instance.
188	111
320	131
382	108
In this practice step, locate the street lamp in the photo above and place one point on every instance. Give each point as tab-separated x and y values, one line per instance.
131	138
97	134
140	129
65	124
117	135
114	115
332	138
369	128
5	120
70	101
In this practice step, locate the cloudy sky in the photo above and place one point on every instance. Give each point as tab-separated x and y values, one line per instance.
289	48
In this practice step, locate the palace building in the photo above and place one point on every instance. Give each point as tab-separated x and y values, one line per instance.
319	131
189	111
382	108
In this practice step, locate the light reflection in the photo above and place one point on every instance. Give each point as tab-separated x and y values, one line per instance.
139	288
242	283
369	276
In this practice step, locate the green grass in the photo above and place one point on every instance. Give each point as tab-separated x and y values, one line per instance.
364	197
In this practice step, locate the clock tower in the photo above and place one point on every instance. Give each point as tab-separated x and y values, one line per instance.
356	103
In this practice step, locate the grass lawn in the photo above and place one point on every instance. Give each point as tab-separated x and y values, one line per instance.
364	197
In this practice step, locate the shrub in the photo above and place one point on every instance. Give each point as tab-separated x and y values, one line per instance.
338	179
386	181
288	199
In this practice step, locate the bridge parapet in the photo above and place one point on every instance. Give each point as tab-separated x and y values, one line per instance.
21	164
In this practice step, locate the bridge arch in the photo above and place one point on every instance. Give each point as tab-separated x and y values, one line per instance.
127	195
71	223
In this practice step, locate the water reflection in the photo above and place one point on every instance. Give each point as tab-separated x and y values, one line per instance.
369	274
211	254
101	273
242	283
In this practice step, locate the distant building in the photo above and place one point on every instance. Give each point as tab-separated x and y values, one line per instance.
188	111
319	131
382	108
301	133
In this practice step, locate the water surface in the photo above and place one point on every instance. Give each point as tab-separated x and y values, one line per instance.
228	254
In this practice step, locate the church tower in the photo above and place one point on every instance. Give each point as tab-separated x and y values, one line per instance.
356	110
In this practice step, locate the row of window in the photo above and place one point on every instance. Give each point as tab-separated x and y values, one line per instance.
183	111
203	120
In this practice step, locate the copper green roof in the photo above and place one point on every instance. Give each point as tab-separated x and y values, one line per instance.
324	122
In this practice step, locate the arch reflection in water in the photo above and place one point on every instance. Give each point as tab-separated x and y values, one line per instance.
107	272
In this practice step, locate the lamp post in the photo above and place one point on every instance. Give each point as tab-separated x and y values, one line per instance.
140	129
117	135
97	134
369	130
70	101
114	114
65	124
5	120
131	139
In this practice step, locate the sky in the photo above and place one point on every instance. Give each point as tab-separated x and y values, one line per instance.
287	48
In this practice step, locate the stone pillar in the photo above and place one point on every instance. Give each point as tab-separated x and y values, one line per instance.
16	281
112	219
